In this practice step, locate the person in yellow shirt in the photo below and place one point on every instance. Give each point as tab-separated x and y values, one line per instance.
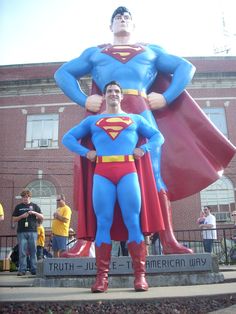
40	239
60	226
1	213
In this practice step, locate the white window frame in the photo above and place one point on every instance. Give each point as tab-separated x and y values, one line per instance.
44	194
42	131
220	196
218	118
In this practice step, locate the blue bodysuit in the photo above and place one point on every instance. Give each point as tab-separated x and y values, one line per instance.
115	137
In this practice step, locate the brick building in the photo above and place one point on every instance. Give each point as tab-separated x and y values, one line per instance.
34	114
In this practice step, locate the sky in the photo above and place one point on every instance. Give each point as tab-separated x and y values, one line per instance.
37	31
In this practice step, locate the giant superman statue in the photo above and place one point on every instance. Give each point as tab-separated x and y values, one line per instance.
153	83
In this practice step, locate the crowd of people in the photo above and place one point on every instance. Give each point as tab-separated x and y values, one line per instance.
30	230
31	234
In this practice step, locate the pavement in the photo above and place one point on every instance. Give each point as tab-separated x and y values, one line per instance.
21	289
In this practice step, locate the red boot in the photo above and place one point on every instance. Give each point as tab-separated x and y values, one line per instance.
103	257
138	255
167	237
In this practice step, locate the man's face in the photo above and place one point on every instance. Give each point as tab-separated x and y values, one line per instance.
113	95
60	201
122	24
206	211
26	199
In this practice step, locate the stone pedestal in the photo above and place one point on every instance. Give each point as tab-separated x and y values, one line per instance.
164	270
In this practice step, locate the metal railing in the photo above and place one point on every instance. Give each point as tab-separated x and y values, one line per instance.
7	245
222	246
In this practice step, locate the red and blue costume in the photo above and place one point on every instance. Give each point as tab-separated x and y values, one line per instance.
193	147
115	176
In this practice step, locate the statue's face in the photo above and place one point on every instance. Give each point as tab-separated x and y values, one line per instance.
122	24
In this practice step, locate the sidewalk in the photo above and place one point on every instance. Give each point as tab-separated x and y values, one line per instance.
20	289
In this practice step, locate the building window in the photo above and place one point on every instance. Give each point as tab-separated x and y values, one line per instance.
220	196
217	117
44	195
42	131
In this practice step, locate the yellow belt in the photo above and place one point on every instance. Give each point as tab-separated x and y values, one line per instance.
115	158
134	92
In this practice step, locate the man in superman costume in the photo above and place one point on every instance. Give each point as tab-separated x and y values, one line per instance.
115	136
153	84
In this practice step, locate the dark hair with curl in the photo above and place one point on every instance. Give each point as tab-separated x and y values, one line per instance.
121	11
111	83
208	207
26	192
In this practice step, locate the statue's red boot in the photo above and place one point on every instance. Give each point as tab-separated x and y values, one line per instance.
138	255
168	241
103	257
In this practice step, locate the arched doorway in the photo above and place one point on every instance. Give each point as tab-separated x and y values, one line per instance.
220	196
44	195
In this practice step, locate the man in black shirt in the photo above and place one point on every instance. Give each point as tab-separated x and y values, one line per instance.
26	215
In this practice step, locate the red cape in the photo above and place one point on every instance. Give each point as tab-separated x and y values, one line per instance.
193	153
194	150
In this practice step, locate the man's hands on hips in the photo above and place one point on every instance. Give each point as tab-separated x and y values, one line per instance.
138	153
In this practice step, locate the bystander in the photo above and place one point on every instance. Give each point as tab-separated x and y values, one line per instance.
71	239
26	215
1	213
201	218
60	226
40	240
209	230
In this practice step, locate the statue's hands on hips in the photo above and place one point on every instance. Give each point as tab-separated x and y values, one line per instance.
91	155
94	103
138	153
156	101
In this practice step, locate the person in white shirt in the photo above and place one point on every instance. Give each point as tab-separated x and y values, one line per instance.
208	235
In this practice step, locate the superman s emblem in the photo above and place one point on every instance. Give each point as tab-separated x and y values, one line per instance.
123	53
114	126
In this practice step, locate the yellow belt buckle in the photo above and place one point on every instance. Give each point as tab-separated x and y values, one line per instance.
115	158
131	158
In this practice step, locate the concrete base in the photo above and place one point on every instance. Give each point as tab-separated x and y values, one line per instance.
179	270
127	281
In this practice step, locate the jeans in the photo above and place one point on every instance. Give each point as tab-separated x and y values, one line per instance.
39	252
27	247
207	244
157	247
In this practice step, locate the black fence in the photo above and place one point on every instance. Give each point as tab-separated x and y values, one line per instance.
8	245
223	247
